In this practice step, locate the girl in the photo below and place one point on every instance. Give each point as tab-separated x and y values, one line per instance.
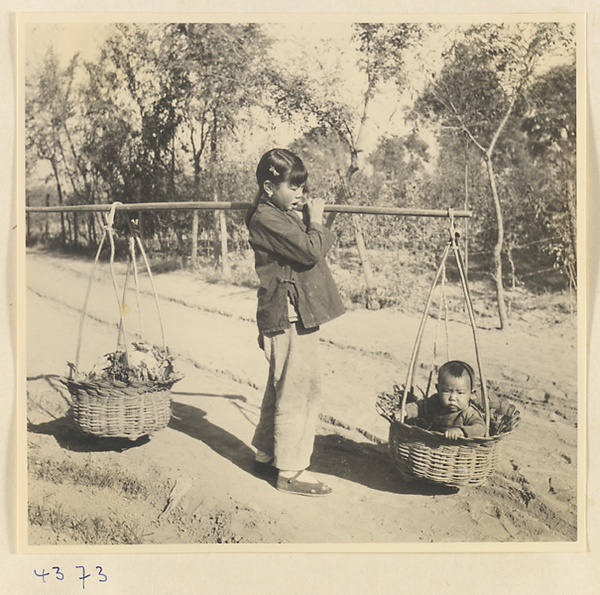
296	295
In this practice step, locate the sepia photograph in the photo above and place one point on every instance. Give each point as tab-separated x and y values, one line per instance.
301	283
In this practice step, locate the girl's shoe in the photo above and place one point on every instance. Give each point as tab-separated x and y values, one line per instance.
293	485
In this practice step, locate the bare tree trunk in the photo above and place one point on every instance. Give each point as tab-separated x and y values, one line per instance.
69	230
216	227
140	226
342	196
92	241
513	276
487	157
63	234
195	217
466	241
218	239
196	156
194	255
498	246
372	301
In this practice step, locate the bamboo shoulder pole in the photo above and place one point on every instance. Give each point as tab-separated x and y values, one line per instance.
239	206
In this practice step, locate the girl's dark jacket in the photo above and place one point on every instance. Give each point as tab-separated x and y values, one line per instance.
290	260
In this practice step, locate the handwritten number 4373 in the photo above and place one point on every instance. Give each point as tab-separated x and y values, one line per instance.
59	576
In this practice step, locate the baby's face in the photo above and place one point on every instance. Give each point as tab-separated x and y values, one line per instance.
454	393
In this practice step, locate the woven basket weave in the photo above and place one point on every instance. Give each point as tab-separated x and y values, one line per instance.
430	456
114	409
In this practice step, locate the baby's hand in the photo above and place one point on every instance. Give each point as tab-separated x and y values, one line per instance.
454	433
396	415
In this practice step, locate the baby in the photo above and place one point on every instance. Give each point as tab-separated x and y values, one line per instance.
449	410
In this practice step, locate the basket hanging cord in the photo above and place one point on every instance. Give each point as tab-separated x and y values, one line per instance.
446	316
74	370
107	231
411	367
113	275
131	264
469	303
471	313
442	312
137	285
143	253
121	331
417	345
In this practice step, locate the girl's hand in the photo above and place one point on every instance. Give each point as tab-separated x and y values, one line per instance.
315	208
454	433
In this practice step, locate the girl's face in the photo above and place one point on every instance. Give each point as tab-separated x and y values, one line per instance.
454	393
284	196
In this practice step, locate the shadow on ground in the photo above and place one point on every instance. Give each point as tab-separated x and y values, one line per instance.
192	421
241	398
69	437
367	464
362	462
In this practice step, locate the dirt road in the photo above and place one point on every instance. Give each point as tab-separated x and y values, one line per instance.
194	480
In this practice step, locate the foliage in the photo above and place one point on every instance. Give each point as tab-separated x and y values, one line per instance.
141	361
169	112
549	122
485	73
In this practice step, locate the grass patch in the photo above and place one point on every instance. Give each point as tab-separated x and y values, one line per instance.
59	472
95	530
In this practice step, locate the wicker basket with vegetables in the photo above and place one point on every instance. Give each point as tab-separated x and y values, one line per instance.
127	394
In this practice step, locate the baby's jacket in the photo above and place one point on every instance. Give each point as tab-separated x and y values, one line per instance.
430	415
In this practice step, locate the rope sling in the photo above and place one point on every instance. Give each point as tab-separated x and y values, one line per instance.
451	245
108	407
428	455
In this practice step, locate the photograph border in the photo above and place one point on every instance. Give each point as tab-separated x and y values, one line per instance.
25	19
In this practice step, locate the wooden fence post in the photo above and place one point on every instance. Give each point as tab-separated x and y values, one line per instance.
194	255
225	269
47	222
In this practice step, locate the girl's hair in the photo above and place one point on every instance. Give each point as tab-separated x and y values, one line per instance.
457	369
277	166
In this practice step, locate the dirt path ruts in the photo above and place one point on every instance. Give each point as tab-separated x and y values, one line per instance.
205	450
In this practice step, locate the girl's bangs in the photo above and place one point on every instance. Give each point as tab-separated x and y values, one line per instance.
298	174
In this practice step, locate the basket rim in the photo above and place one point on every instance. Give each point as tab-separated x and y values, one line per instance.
440	436
85	380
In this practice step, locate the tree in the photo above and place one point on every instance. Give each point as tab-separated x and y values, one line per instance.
47	111
549	121
325	100
485	72
219	73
